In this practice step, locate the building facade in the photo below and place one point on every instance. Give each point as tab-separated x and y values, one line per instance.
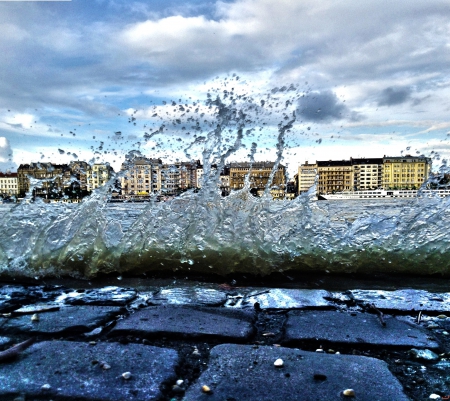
334	176
306	176
405	172
8	185
367	173
141	177
98	175
48	179
259	175
171	179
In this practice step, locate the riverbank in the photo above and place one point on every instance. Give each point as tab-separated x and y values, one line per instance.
167	338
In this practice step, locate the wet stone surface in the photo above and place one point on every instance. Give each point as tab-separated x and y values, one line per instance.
242	372
103	296
14	296
73	319
185	296
403	300
289	299
354	328
167	341
188	322
74	370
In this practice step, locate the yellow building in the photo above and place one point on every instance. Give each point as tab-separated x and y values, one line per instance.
141	177
405	172
98	175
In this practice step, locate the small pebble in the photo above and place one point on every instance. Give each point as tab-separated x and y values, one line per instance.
126	375
441	316
331	351
177	389
278	363
206	389
349	392
92	342
105	366
195	352
434	396
319	350
35	318
445	333
46	387
180	382
424	354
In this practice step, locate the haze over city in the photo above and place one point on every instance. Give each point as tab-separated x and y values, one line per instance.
92	80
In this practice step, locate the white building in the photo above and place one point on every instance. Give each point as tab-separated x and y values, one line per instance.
8	184
306	176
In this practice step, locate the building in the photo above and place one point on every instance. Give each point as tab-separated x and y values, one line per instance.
334	176
306	176
8	185
259	175
224	181
171	179
141	177
405	172
98	175
367	173
48	179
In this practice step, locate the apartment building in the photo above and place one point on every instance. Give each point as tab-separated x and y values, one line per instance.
78	171
259	175
98	175
334	176
405	172
141	177
189	174
306	176
367	173
49	179
8	185
171	179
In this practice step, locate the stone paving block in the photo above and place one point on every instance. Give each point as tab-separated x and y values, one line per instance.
247	373
279	298
110	295
12	297
74	371
184	296
71	319
186	321
354	328
405	300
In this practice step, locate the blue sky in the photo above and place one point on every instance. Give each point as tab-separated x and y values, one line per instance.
94	79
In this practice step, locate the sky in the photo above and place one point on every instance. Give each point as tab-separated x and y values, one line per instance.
235	80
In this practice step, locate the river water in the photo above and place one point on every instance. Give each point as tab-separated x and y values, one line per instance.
206	233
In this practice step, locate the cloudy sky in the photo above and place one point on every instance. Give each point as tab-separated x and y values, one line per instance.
302	80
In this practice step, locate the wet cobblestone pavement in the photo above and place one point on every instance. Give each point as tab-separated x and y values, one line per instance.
195	341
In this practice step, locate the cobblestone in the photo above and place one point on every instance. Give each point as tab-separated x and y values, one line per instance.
169	342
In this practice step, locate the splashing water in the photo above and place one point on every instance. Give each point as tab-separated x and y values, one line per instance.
205	232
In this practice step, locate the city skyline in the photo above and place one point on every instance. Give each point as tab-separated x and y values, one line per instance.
84	78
